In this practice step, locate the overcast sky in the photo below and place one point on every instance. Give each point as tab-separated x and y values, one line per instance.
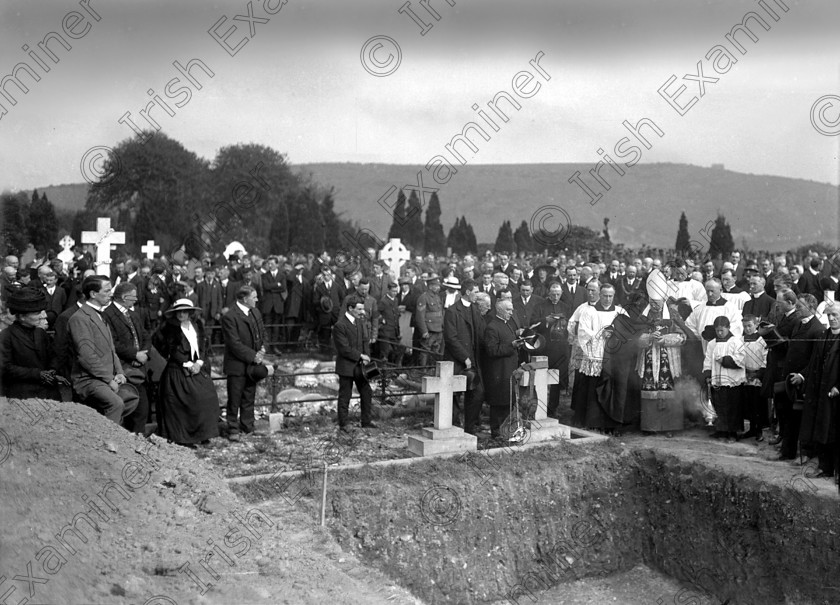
299	84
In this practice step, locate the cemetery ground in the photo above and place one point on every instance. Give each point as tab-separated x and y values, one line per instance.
102	516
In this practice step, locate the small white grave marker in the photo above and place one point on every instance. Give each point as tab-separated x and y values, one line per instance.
150	249
395	254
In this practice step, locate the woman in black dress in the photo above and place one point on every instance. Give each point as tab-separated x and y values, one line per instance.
188	407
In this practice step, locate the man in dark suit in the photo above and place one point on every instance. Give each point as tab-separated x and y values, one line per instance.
209	293
573	294
526	305
627	285
97	373
768	275
463	331
806	333
56	296
132	342
297	303
504	266
809	283
244	335
326	305
389	326
352	344
379	281
274	296
613	276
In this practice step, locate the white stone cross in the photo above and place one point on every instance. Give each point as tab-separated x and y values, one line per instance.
102	238
543	377
395	254
444	385
150	249
66	255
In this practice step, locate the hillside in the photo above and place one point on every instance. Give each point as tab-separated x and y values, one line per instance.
644	206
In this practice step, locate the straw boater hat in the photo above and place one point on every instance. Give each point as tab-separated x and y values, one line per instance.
452	282
25	300
182	304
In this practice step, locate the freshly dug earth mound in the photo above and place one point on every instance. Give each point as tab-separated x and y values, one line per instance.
92	514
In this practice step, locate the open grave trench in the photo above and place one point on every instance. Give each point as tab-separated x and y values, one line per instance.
518	525
523	524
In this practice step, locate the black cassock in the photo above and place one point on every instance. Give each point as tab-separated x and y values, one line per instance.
619	386
819	414
500	360
188	407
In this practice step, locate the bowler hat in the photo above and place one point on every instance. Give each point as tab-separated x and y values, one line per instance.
326	304
256	372
371	370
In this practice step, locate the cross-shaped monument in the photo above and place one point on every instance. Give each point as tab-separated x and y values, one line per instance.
66	255
543	428
150	249
102	238
395	254
443	438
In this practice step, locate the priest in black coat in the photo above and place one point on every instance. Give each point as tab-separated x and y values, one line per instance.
819	430
463	331
501	358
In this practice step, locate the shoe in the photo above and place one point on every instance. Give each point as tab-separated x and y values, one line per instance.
234	437
718	435
782	458
344	429
759	438
150	429
369	425
775	440
746	434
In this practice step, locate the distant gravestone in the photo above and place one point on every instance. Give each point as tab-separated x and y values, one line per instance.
395	254
150	249
443	438
102	238
66	255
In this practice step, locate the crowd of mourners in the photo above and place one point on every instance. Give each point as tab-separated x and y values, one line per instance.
758	338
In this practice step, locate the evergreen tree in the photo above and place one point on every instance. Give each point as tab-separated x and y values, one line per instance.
14	238
522	238
82	221
504	240
683	239
469	236
398	226
330	222
414	224
42	224
456	240
433	239
722	243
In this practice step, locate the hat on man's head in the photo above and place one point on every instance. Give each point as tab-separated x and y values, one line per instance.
432	277
404	280
26	300
452	282
751	266
549	270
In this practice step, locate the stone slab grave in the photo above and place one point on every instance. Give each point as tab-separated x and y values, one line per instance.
541	427
443	438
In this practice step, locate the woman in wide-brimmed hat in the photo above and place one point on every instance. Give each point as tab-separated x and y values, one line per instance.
25	349
188	407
